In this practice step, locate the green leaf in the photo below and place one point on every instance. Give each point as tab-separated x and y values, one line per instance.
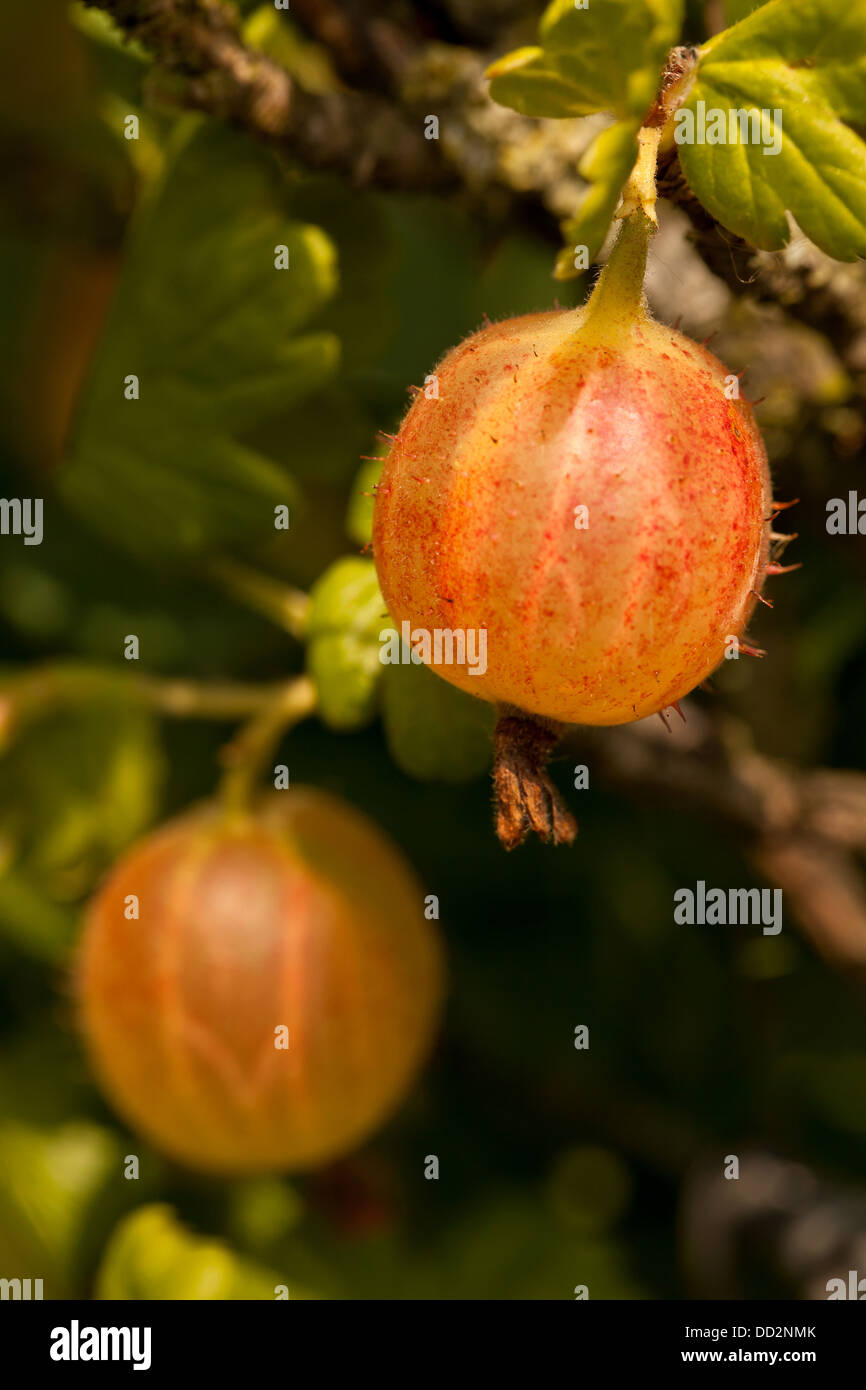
606	165
512	1246
347	613
527	81
48	1180
735	10
215	333
271	31
434	731
75	790
31	920
605	57
151	1255
807	59
262	1212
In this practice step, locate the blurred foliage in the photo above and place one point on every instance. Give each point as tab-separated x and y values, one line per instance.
210	330
434	731
261	387
347	613
49	1181
151	1256
74	791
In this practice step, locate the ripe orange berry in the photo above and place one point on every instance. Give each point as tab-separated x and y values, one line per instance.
588	488
301	916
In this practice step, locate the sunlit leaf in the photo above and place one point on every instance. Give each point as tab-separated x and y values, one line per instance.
606	165
805	59
600	57
151	1255
48	1179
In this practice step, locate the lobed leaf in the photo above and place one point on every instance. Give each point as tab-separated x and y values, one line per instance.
606	57
606	165
216	335
807	60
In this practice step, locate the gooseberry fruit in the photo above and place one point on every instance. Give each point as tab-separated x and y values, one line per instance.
589	489
299	923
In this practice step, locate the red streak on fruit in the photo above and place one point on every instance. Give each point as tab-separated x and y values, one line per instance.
604	409
301	916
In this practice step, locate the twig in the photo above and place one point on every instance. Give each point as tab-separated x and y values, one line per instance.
46	690
801	829
248	751
269	709
283	605
197	46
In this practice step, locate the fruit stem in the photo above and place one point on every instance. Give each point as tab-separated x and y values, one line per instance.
617	298
255	742
43	691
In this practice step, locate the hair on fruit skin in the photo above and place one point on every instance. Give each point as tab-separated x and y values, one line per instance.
299	914
592	490
474	527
